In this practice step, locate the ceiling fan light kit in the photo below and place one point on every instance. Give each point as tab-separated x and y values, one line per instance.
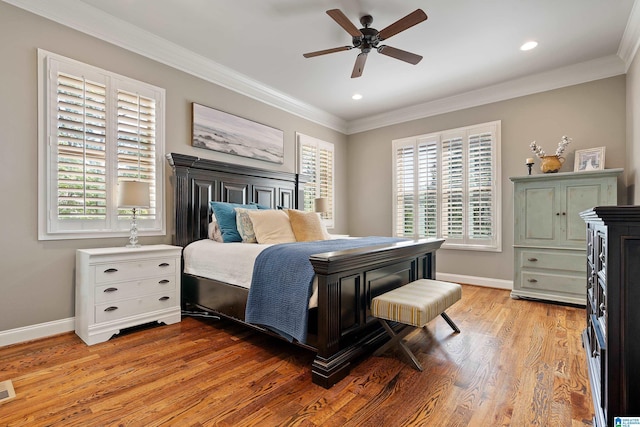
368	38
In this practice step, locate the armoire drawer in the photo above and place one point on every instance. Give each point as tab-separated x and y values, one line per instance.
552	260
553	281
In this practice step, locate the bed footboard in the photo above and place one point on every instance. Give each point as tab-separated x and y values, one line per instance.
347	282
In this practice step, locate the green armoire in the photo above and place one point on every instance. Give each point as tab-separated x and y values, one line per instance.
549	234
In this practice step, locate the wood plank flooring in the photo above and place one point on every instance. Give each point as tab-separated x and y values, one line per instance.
515	363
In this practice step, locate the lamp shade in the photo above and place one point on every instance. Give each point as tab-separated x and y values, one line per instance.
321	204
133	194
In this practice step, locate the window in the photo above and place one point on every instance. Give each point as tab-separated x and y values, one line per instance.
447	185
96	128
315	161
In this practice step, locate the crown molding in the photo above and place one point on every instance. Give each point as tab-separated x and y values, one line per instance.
91	21
566	76
94	22
631	37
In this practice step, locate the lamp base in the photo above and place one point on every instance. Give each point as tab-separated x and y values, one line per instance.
133	236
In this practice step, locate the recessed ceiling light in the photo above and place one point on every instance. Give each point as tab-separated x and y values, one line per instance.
356	96
529	45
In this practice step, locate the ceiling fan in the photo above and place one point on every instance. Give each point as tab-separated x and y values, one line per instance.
368	38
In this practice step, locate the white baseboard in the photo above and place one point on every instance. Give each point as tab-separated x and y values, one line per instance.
43	330
34	332
487	282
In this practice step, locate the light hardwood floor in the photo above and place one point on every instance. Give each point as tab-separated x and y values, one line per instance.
515	363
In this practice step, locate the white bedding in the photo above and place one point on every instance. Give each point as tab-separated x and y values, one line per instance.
227	262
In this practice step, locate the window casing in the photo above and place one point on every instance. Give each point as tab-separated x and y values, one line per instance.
316	163
96	128
447	185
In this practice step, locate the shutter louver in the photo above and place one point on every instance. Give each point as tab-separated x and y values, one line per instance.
405	200
308	160
480	186
325	174
452	208
137	145
316	160
428	189
81	148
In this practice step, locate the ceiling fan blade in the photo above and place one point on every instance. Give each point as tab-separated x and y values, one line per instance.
359	65
400	54
326	51
344	22
415	17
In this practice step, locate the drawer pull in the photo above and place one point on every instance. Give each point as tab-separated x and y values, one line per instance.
164	281
532	259
111	270
112	308
110	290
164	264
532	280
163	298
595	353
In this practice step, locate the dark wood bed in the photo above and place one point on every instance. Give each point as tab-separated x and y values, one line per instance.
341	328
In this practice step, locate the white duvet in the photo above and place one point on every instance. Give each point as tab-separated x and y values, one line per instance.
227	262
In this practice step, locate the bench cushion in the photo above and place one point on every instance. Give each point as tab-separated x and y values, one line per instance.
416	303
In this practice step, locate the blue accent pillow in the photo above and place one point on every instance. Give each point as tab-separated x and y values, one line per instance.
259	206
226	217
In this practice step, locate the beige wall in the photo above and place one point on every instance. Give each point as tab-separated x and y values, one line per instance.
593	114
633	132
37	277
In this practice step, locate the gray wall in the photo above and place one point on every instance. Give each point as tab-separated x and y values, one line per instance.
593	114
633	132
37	277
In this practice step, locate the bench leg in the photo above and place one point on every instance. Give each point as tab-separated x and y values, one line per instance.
398	339
450	322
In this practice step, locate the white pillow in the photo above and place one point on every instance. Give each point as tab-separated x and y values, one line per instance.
271	226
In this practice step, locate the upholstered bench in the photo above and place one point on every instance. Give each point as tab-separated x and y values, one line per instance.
414	304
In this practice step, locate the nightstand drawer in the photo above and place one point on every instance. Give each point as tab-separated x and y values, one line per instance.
120	309
118	271
552	260
138	288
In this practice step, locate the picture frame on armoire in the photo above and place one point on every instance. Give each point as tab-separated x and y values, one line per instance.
589	159
219	131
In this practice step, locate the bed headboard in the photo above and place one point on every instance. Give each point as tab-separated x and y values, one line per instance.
198	181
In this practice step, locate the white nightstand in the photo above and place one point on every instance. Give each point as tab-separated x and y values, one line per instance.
121	287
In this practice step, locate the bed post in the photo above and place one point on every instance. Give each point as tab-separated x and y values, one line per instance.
180	190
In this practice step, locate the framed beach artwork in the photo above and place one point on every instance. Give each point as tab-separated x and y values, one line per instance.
219	131
589	160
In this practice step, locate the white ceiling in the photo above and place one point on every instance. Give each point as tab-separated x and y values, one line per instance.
469	47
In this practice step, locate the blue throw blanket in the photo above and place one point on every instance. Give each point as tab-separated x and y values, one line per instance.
283	282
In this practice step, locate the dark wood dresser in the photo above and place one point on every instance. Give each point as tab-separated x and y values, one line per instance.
612	336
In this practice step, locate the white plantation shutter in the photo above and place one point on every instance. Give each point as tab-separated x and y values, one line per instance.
480	187
428	188
452	201
137	144
308	166
405	199
446	185
81	148
97	128
316	162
